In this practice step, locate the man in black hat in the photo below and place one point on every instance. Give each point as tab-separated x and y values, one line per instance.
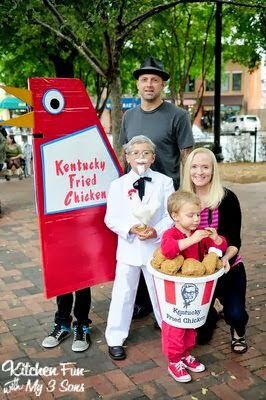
168	126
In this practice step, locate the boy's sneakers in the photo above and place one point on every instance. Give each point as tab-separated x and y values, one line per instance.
81	341
57	334
179	372
192	364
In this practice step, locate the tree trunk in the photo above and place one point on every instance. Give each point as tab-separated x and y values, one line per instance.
116	114
63	68
200	94
173	95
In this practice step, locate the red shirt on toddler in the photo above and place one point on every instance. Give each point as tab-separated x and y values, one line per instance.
170	245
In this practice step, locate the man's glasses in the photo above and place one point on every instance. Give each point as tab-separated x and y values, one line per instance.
137	154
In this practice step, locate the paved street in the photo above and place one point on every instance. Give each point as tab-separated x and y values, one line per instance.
26	316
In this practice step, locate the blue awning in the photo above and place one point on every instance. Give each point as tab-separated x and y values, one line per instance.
13	103
126	102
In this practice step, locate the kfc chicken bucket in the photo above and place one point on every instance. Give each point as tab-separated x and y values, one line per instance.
184	301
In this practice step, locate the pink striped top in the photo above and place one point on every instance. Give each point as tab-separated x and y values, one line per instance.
210	218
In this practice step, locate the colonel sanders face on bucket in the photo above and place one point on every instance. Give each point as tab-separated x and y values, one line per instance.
189	292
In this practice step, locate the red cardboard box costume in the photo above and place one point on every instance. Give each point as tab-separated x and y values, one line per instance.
74	165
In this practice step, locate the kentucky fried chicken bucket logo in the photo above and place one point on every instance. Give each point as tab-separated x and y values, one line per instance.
189	292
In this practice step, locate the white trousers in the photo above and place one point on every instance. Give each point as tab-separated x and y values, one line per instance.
123	299
28	167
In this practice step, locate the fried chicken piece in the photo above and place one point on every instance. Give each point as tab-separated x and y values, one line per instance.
158	255
156	263
171	267
210	262
140	228
192	267
219	264
157	259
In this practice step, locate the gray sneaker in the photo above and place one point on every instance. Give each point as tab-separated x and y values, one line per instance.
56	336
81	341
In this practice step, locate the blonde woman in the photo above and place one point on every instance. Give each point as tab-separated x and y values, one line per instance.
220	209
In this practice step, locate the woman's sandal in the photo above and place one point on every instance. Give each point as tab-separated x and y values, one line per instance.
238	345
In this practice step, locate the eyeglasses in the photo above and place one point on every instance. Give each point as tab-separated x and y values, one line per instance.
137	154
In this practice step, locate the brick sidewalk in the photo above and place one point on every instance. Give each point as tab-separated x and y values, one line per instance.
26	316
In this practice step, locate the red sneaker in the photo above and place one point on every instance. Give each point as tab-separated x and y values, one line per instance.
192	364
179	372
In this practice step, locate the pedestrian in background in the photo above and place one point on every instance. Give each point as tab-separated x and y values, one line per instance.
2	154
14	157
27	152
2	147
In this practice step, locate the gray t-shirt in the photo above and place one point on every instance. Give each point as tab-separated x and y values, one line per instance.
168	127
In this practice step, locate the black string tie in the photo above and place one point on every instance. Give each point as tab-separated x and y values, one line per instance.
140	185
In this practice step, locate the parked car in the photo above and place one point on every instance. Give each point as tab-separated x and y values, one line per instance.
241	123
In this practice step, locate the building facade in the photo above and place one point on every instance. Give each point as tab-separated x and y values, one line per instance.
242	92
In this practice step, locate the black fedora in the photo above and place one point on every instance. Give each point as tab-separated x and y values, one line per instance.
151	66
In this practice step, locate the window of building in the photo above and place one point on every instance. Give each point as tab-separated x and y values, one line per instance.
209	85
225	82
190	86
236	81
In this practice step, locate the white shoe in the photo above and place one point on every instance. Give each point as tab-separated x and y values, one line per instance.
81	341
56	336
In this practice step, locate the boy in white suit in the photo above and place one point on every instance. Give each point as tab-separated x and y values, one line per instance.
139	196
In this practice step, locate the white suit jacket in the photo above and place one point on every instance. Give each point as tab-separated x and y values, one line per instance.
119	217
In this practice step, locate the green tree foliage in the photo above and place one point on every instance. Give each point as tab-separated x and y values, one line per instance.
183	38
244	32
101	41
97	31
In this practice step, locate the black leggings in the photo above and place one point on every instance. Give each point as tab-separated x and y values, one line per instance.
81	310
231	292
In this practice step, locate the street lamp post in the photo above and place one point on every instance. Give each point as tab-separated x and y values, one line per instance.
217	149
